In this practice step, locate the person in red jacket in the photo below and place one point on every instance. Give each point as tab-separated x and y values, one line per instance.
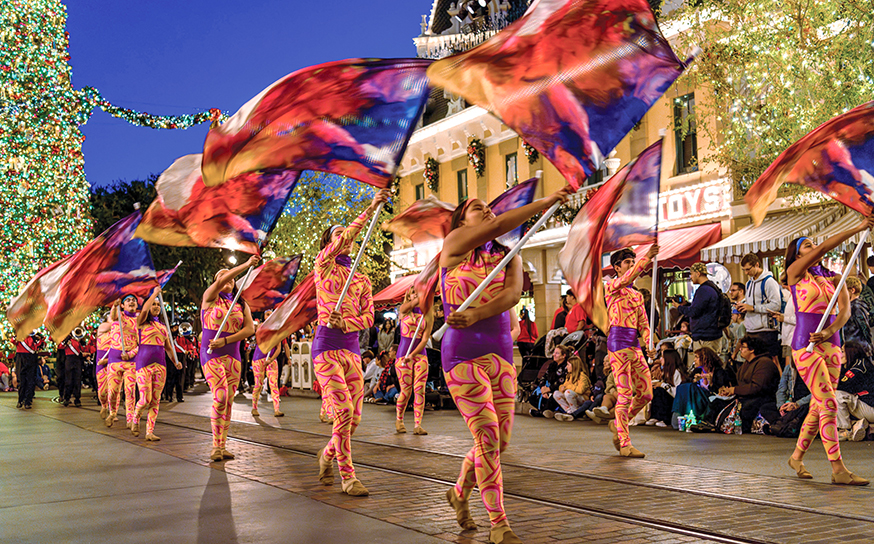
26	362
528	335
73	353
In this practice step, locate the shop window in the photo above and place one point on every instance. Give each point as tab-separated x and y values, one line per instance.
596	178
461	177
512	171
420	191
685	134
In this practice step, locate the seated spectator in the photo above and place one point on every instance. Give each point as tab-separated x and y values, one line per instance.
44	374
784	417
548	380
667	375
5	378
387	388
858	328
710	374
757	382
604	403
855	394
681	341
575	392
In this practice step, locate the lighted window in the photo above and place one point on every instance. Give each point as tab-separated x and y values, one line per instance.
685	134
461	176
420	191
512	171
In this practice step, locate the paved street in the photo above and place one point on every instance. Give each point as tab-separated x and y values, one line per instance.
78	481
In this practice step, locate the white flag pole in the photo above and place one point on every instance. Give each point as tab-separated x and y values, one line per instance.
358	256
415	335
228	313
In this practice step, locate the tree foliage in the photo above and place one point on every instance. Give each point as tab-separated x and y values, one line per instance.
777	70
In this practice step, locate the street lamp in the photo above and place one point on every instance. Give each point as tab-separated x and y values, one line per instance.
232	258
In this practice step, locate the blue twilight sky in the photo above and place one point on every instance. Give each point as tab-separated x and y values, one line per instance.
173	57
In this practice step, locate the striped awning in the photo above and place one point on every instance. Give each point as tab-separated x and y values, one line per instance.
849	220
774	234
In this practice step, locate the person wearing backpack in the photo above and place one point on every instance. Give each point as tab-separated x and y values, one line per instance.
763	296
709	307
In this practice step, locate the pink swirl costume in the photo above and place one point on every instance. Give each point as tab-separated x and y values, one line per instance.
627	318
118	370
151	365
336	356
478	365
103	344
222	367
413	374
260	368
821	369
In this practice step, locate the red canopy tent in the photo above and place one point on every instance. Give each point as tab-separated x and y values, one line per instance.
679	248
394	293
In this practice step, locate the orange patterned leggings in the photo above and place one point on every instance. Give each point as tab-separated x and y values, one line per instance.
484	390
340	377
259	369
150	381
103	388
633	387
116	373
223	375
412	377
820	371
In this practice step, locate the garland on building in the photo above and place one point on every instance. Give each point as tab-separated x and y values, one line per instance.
476	156
432	174
530	152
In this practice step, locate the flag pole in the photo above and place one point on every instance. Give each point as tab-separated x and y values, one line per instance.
843	280
228	313
437	336
415	335
167	321
358	256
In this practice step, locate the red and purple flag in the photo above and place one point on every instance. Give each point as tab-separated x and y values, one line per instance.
394	293
143	289
352	117
592	232
571	77
425	284
425	221
836	159
270	283
66	292
517	196
236	215
298	309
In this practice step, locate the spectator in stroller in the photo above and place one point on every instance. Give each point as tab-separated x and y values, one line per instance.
549	379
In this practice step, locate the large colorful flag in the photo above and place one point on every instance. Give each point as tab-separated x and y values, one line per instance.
517	196
270	283
424	222
352	117
591	231
66	292
143	289
394	293
425	284
298	309
571	77
836	159
236	215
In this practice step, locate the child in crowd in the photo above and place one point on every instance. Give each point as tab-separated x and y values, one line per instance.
575	391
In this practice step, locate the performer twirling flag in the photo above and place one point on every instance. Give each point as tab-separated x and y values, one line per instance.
270	283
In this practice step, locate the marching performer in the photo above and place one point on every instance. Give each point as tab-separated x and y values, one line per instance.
222	367
73	360
266	365
122	353
336	355
413	369
151	364
104	339
477	350
812	287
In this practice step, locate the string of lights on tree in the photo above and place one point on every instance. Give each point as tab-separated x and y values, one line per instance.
44	210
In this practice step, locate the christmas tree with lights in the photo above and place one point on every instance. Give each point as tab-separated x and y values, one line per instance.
44	205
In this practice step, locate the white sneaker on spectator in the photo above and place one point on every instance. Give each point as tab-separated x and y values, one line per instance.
594	416
602	412
564	417
548	414
859	430
632	423
651	422
843	435
659	423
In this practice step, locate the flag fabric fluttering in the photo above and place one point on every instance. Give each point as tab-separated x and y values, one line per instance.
236	215
394	293
270	283
426	221
298	309
836	159
352	117
425	284
571	77
591	232
144	288
66	292
517	196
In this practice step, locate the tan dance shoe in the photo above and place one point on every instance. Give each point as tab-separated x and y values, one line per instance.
323	418
632	452
108	421
503	535
255	412
103	413
326	469
216	454
616	441
135	428
462	510
354	488
227	455
277	413
799	469
152	438
848	478
420	431
399	427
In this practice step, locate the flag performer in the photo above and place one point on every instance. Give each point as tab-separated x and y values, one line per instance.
101	359
412	365
123	349
220	350
266	369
